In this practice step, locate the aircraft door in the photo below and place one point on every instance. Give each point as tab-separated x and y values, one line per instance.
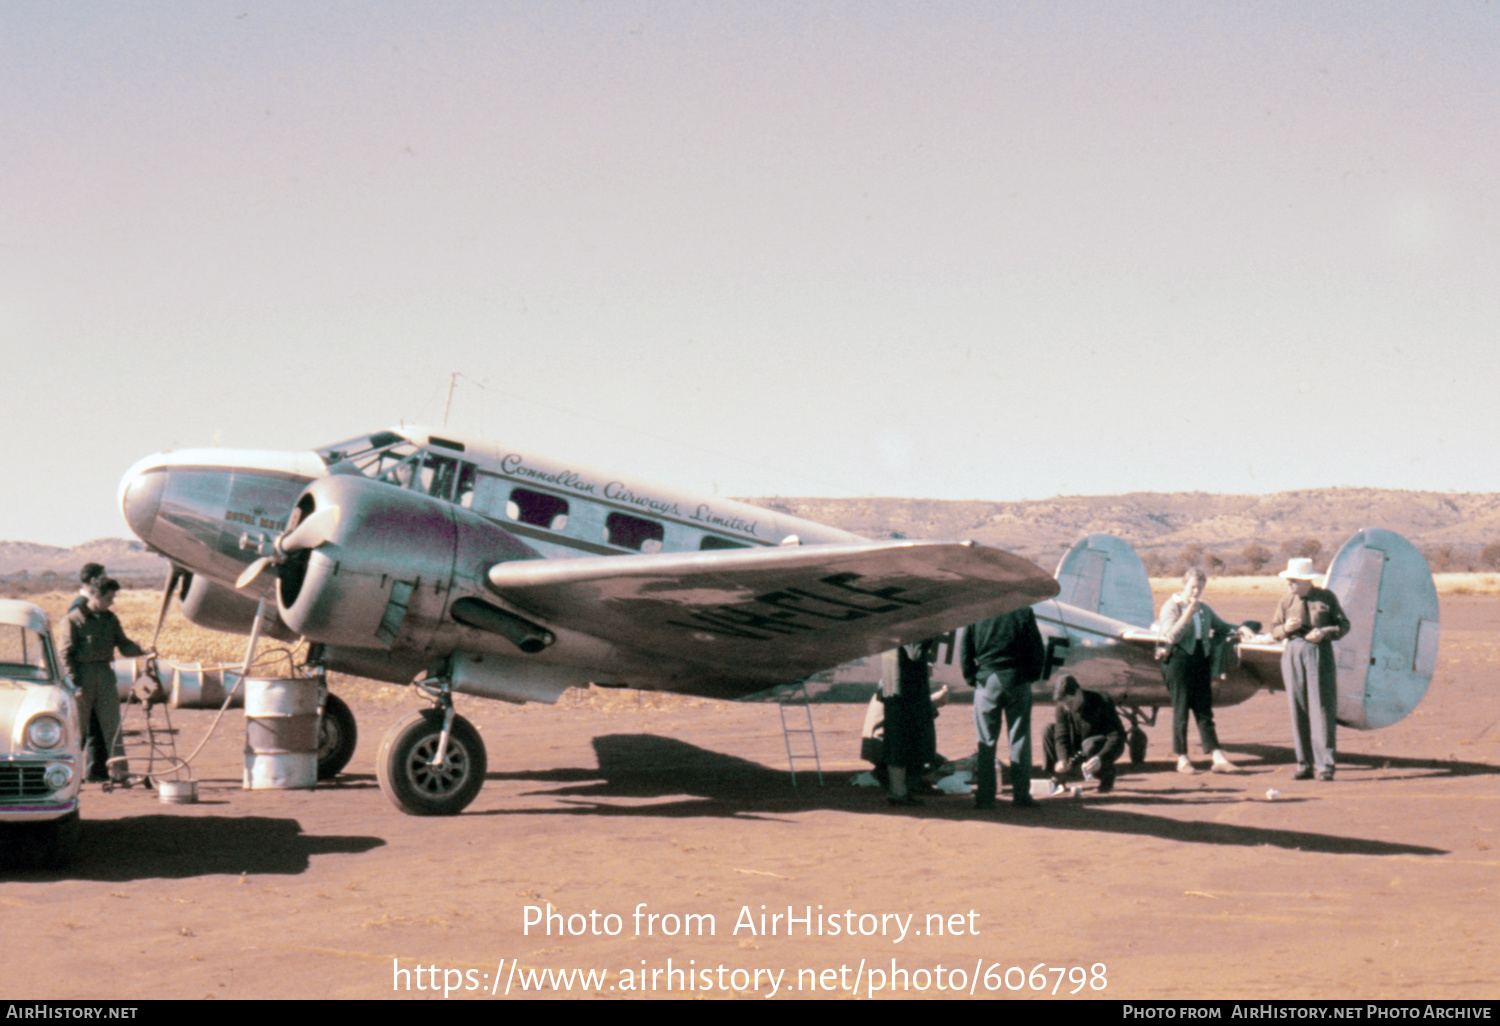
1387	659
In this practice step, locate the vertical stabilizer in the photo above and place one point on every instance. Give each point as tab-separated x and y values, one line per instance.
1102	574
1386	660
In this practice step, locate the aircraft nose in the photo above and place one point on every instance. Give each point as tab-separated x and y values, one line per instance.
140	496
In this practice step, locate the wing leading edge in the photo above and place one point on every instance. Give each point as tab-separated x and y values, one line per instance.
774	614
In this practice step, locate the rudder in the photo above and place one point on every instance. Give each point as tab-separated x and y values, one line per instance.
1387	659
1102	574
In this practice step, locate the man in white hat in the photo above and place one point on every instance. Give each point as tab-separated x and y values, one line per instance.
1309	619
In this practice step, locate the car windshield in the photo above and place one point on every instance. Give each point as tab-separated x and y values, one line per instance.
23	656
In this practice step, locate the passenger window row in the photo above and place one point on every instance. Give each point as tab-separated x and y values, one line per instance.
623	530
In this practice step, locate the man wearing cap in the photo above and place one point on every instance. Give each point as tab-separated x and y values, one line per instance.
94	632
1309	619
88	578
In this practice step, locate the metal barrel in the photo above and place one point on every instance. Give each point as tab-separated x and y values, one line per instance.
195	686
281	732
126	671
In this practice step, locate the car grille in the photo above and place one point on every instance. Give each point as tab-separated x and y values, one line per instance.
21	781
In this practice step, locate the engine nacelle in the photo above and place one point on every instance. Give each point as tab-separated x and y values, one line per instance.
222	609
391	568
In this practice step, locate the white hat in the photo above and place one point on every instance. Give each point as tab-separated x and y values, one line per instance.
1299	568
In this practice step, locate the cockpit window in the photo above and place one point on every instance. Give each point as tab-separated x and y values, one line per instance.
386	456
359	447
22	655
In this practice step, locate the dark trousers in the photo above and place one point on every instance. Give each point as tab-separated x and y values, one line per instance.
1189	684
99	704
1012	697
1312	696
1109	747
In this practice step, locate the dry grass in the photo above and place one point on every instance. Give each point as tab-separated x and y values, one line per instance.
184	642
1447	584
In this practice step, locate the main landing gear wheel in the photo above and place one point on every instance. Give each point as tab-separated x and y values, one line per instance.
1136	741
408	777
337	737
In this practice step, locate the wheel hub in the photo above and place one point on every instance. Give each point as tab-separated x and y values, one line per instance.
438	781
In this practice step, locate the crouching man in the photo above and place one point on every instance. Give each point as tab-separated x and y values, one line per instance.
1087	736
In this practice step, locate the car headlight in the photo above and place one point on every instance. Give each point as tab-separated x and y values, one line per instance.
45	732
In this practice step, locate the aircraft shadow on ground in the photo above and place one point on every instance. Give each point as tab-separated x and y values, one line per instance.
646	766
1279	755
177	847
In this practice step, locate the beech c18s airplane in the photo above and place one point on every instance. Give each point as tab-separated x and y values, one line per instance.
462	567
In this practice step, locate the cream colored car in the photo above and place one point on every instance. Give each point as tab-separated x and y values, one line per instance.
41	745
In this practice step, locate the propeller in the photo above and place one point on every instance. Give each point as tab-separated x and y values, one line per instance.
299	536
177	574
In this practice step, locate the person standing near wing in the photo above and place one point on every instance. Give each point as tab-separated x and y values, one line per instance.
1190	634
910	741
1001	657
1309	619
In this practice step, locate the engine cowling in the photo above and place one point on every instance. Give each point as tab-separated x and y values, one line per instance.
388	574
219	608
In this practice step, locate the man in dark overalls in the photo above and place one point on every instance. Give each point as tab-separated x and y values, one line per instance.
94	633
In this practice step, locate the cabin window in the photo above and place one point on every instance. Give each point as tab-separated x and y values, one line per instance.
713	541
630	532
537	509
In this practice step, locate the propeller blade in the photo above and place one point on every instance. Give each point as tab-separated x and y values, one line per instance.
252	572
313	531
166	602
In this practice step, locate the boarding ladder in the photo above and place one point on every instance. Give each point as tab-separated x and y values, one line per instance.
801	742
151	749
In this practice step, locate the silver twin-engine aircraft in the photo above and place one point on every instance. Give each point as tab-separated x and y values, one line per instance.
462	566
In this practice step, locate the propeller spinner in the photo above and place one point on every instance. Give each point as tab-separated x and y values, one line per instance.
300	535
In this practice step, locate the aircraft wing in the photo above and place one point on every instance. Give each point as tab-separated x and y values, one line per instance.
774	614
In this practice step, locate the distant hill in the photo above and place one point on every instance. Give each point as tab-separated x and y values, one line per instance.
1168	529
1453	530
27	568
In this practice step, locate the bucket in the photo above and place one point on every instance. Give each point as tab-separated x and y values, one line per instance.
195	686
177	792
281	732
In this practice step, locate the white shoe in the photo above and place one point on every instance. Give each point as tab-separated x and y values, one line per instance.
1222	763
1184	766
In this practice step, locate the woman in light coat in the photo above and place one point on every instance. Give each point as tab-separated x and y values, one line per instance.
1190	630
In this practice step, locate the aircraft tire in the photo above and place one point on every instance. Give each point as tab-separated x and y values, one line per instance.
403	765
1136	741
337	736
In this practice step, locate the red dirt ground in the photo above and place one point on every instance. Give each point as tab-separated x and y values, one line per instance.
1381	884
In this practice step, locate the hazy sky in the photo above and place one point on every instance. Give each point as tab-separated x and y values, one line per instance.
948	249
